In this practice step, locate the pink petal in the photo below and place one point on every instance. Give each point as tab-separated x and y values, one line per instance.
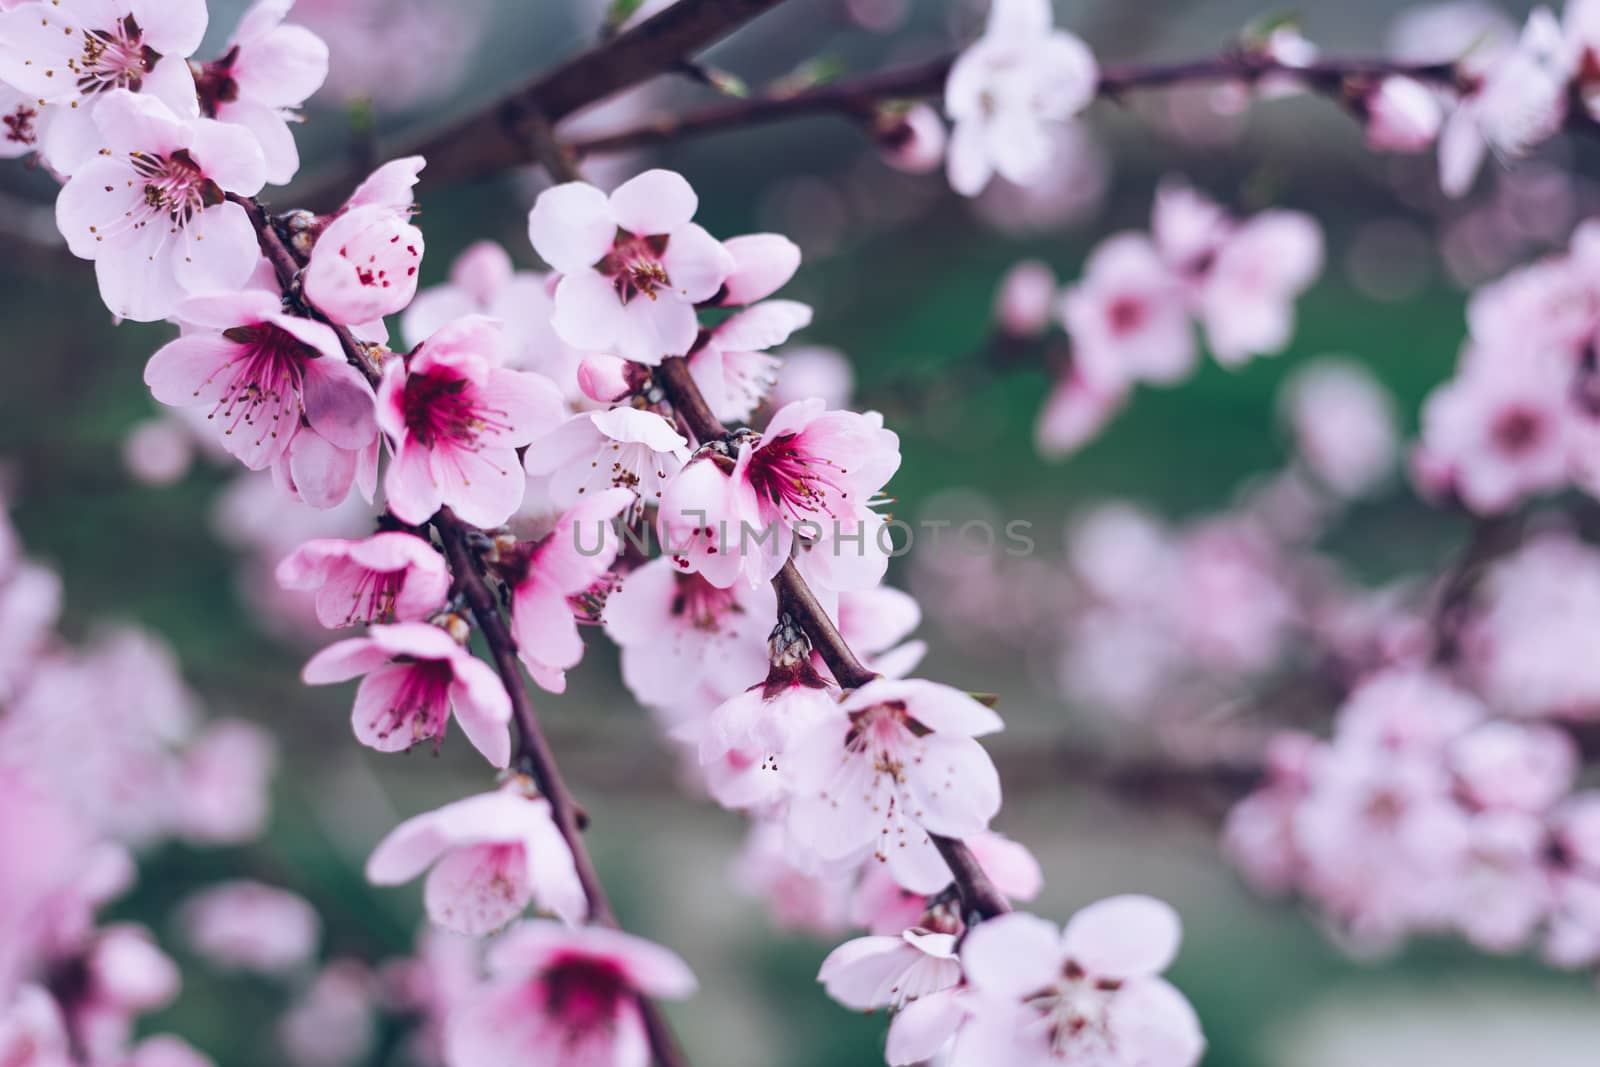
588	314
1152	1023
1012	956
955	789
923	1027
938	707
229	155
282	69
343	660
483	709
322	471
763	326
377	699
655	202
647	330
571	227
477	889
861	972
697	264
218	250
484	487
339	403
763	263
1123	937
171	27
412	492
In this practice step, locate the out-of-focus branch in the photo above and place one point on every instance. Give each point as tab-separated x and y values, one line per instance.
502	134
533	750
859	98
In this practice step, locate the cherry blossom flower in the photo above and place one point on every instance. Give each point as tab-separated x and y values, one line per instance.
263	377
1518	98
896	764
32	1031
250	926
416	676
455	418
1247	296
1127	317
1006	90
364	260
1499	431
737	509
595	451
1343	424
388	577
68	55
684	641
266	71
490	855
569	996
151	211
563	565
918	967
633	265
1089	993
730	363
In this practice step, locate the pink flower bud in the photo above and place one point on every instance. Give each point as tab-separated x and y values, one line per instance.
1023	304
913	142
1402	116
603	379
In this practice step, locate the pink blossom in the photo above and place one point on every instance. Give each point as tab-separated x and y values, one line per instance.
595	451
388	577
1516	767
916	967
416	676
633	265
1127	317
1025	299
897	763
1247	296
1343	423
225	782
333	1023
763	263
1403	115
364	265
738	508
1075	412
250	926
913	142
263	377
561	567
455	419
484	281
1007	89
490	855
1089	993
1499	430
685	642
1502	891
802	895
567	996
57	846
151	212
266	71
730	362
158	452
814	372
67	55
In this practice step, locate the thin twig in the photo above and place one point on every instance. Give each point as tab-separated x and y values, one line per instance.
534	754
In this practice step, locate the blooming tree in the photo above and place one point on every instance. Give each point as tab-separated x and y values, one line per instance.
522	457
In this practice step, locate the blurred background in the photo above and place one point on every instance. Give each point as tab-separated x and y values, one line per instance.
902	274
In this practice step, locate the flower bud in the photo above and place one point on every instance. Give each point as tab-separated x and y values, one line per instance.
1402	116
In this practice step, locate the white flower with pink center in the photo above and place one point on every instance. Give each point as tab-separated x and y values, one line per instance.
738	509
266	71
1091	993
896	764
261	376
67	55
685	642
455	419
563	996
595	451
1127	316
1008	90
633	265
1246	297
490	856
915	975
151	211
551	578
416	677
388	577
742	743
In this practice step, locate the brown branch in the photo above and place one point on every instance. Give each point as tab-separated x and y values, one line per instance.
534	754
978	894
501	135
859	98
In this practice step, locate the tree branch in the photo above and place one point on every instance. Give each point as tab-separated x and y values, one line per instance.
502	134
859	98
978	894
534	754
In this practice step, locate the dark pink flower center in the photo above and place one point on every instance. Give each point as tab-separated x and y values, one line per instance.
19	127
1126	314
634	265
422	703
175	185
214	82
116	58
374	596
443	409
261	383
583	992
1518	431
789	476
700	604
